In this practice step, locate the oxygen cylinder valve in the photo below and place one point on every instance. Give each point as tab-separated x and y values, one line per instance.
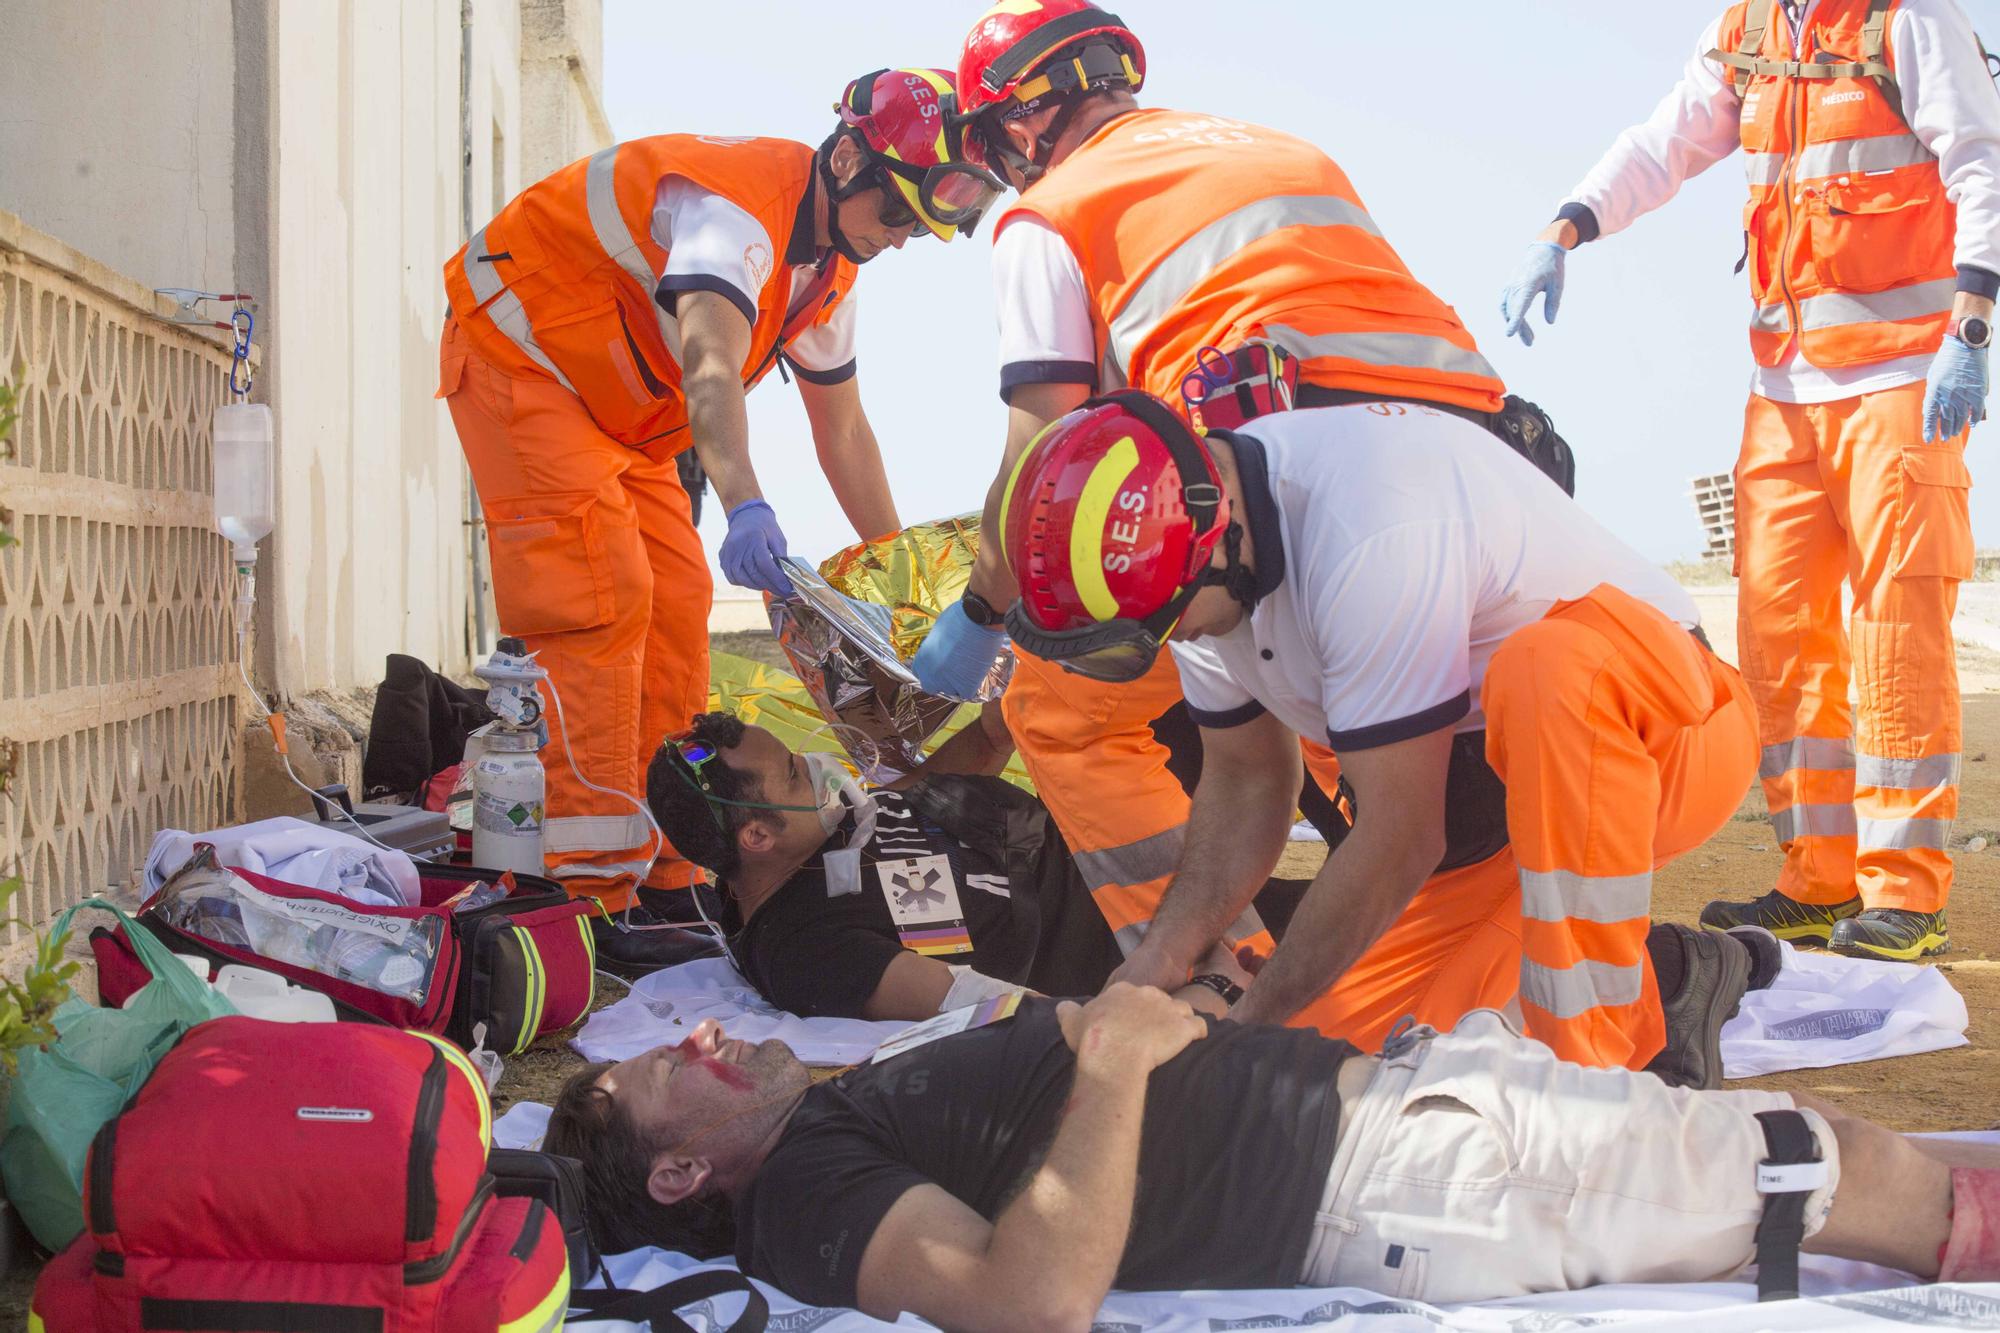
512	678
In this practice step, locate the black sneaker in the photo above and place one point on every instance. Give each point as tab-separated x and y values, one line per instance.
1801	923
634	942
678	905
1714	969
1767	956
1894	933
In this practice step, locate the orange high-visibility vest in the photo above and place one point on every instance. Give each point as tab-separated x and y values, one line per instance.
1848	231
1194	231
565	274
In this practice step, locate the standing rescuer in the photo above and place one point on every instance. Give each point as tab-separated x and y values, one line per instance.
1142	237
1870	132
616	314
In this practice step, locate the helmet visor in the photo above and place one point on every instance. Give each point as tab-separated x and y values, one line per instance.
958	193
1116	652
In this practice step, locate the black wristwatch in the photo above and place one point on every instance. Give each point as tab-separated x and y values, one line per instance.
1972	331
978	610
1221	985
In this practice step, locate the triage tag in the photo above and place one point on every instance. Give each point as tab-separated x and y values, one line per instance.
923	901
948	1025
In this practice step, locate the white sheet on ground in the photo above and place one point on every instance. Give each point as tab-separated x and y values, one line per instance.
297	852
522	1126
1828	1010
665	1006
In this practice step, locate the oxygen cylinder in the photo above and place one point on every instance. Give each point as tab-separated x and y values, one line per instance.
509	791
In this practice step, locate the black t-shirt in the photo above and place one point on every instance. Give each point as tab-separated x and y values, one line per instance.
1009	881
1238	1138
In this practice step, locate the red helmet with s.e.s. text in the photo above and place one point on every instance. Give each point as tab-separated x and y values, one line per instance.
1110	519
907	121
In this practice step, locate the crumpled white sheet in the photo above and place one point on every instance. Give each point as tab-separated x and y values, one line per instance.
1825	1009
296	852
664	1007
1839	1297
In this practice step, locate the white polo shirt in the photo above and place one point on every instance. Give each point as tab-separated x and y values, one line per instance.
1396	546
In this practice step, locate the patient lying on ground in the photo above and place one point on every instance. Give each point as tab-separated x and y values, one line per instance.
1009	1176
886	906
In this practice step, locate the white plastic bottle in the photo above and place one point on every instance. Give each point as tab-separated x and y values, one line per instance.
244	497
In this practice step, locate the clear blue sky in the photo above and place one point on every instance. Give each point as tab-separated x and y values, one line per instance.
1462	124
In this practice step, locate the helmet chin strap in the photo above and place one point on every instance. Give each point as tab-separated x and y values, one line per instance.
1235	577
835	195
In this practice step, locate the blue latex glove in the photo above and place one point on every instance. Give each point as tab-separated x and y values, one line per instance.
1540	274
751	551
1957	394
956	654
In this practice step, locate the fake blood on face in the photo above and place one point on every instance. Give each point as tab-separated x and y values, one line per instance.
730	1076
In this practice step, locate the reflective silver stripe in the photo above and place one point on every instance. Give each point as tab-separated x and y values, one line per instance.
1879	153
1926	774
1821	753
1134	862
1813	821
1763	168
1419	351
1128	937
1770	319
1835	309
505	312
600	197
1569	991
1903	834
599	869
596	833
1243	927
1559	895
1202	253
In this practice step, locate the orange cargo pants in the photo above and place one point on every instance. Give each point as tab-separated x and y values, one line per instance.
1825	491
598	568
1623	743
1097	765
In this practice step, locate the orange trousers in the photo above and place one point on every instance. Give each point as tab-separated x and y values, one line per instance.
1097	765
598	568
1623	743
1862	797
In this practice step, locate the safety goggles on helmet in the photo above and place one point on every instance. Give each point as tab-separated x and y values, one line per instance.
956	194
905	123
1122	649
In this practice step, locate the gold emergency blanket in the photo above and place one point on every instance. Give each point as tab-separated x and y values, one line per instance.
852	655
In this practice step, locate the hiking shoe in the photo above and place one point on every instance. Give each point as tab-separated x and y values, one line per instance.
634	942
1767	956
1714	970
1894	933
678	905
1801	923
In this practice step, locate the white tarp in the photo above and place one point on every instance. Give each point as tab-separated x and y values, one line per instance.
297	852
1828	1010
665	1006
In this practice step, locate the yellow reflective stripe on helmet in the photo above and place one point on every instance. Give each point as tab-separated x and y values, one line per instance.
549	1314
1086	533
536	989
457	1060
1014	475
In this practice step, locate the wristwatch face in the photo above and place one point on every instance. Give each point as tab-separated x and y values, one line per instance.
978	610
1975	332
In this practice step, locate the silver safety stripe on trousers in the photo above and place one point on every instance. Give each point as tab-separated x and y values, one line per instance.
1569	991
1903	834
1823	754
1813	821
599	869
1883	152
505	309
1134	862
1129	937
1834	309
1200	254
1926	774
1559	895
596	833
600	197
1417	351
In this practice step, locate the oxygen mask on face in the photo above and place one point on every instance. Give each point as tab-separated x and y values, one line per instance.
838	794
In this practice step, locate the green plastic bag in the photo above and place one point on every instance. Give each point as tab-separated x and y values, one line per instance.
63	1095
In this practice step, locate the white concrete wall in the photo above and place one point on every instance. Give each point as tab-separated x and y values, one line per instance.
115	132
371	546
562	84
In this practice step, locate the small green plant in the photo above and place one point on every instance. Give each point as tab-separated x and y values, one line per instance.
9	414
28	1006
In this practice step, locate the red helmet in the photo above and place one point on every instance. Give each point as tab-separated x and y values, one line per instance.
1109	522
1013	39
906	120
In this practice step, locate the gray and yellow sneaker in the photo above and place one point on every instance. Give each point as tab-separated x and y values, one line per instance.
1801	923
1893	933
